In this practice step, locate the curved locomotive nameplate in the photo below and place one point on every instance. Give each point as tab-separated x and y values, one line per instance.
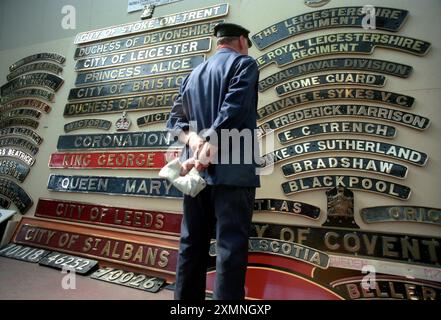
295	208
42	79
21	131
20	143
182	64
345	163
153	118
14	169
153	23
151	85
388	19
350	127
17	113
163	51
347	145
401	213
4	203
29	93
372	112
149	39
373	65
383	97
39	66
17	154
13	122
112	160
339	43
378	186
16	194
137	187
44	56
331	79
142	102
125	140
27	103
87	123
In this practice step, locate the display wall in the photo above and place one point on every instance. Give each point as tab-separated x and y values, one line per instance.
343	99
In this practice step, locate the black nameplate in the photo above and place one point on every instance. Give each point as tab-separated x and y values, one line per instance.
345	163
64	261
124	140
288	207
13	122
87	123
23	253
146	54
16	194
28	103
371	112
153	118
29	113
129	279
149	39
389	19
141	102
390	246
20	143
180	18
21	131
141	70
352	145
45	56
337	78
39	66
401	213
17	154
152	84
138	187
13	169
29	93
380	66
45	80
383	97
352	182
4	203
338	43
350	127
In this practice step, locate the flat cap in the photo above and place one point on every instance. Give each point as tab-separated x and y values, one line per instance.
231	30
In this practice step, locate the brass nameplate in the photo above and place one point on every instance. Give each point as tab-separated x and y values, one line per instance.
28	103
42	79
16	194
180	18
324	128
16	113
39	66
175	65
17	154
331	79
287	207
352	145
13	169
87	123
148	39
389	19
146	54
45	56
29	93
401	213
341	43
345	163
20	143
23	253
324	95
153	118
13	122
371	112
373	65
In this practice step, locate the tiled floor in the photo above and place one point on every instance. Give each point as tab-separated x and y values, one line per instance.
29	281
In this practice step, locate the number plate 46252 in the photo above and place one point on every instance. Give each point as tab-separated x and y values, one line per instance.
65	261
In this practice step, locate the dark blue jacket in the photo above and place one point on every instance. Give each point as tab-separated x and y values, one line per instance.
221	93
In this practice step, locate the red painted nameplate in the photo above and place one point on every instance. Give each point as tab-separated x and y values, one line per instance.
112	160
133	219
117	247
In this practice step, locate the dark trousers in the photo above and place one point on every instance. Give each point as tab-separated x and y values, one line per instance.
229	210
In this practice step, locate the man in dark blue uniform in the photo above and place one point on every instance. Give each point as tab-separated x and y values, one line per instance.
215	116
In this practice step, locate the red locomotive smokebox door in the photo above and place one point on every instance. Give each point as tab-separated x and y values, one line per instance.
272	277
